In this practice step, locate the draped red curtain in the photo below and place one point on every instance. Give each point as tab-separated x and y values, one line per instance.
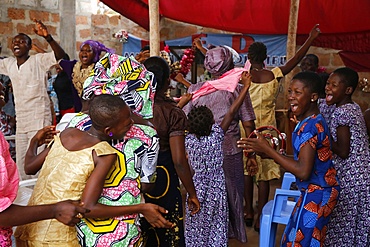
345	25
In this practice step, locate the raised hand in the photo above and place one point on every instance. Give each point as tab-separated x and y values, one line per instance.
315	31
246	79
142	56
40	29
197	43
184	99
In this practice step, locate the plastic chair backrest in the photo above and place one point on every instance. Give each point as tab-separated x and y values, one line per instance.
288	180
24	193
283	207
278	211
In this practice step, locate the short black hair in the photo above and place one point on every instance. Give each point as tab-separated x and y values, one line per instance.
104	110
348	76
145	48
200	120
28	38
311	80
257	52
314	58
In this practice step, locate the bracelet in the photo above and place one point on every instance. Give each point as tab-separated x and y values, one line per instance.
49	38
249	155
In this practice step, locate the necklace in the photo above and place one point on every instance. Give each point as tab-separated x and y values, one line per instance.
92	135
257	69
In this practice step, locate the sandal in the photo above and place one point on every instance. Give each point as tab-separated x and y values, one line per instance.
257	229
248	221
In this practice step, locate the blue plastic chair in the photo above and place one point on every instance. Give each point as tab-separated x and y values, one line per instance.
288	180
278	211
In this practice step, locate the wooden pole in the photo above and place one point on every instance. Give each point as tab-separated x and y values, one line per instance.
290	51
154	37
292	32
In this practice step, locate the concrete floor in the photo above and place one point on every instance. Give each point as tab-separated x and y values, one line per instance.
252	235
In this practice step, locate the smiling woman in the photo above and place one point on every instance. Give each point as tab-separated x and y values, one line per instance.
78	71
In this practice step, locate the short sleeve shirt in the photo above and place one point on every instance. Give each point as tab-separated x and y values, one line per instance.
169	120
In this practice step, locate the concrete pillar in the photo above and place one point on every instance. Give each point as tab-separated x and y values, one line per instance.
68	26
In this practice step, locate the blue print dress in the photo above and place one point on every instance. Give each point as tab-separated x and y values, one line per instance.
209	227
319	193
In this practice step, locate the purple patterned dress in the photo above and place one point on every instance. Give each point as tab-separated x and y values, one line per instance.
209	227
350	222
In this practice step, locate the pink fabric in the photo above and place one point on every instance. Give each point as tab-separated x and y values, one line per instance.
228	81
9	178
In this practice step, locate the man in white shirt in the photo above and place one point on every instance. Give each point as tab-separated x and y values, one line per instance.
27	73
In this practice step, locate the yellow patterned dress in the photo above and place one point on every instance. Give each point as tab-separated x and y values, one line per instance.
63	176
263	96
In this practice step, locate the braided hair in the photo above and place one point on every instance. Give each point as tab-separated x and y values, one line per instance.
257	52
200	120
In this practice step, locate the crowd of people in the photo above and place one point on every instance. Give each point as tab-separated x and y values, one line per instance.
111	168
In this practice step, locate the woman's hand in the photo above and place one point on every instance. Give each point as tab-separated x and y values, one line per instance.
45	135
154	215
142	56
246	79
252	166
193	205
185	98
259	145
69	212
197	43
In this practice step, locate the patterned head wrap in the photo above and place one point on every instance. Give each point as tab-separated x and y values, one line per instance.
126	77
218	60
97	48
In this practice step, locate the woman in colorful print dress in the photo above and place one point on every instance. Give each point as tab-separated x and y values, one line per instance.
312	164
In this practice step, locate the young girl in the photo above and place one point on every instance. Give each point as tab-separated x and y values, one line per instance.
350	222
204	148
77	165
312	164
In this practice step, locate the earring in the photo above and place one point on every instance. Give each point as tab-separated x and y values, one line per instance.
312	100
110	134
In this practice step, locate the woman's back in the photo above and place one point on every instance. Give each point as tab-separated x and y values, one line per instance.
205	154
263	96
63	176
169	120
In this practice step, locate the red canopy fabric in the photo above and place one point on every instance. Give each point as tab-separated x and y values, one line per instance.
254	16
345	25
358	61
